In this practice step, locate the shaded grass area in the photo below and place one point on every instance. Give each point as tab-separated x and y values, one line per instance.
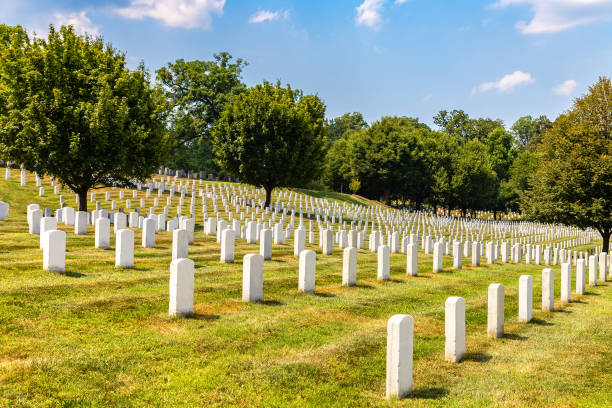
100	336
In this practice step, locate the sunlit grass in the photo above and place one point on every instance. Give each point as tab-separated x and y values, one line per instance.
100	336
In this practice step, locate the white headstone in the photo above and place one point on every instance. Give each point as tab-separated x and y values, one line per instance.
124	251
495	318
525	298
54	251
102	233
181	287
252	278
227	245
180	247
548	290
383	263
400	333
454	318
307	269
349	266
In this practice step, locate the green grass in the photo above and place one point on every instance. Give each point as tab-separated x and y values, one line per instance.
100	336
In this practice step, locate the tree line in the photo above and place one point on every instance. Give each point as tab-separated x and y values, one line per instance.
70	107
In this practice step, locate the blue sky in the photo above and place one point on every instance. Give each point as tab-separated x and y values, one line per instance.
499	58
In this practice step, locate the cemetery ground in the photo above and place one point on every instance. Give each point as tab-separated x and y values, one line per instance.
101	336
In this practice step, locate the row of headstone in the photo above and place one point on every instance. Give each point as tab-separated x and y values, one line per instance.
400	328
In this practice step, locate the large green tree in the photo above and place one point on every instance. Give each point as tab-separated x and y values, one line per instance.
197	92
387	159
528	131
271	136
473	180
70	107
573	182
338	127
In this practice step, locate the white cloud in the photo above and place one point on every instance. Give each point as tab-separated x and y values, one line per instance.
368	13
566	87
266	15
81	23
552	16
507	82
427	97
174	13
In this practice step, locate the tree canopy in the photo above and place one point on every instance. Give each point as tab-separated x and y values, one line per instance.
197	92
71	108
573	182
271	136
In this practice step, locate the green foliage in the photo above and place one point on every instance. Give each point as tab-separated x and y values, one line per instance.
338	127
474	179
354	185
385	158
197	92
271	136
573	182
337	169
459	125
528	131
70	107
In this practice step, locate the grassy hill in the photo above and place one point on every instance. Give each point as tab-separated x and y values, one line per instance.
101	336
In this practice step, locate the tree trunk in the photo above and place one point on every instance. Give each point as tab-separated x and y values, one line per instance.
605	234
268	195
82	199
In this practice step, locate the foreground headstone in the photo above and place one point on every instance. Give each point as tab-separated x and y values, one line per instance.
265	244
252	278
383	262
4	210
54	251
437	257
124	248
46	224
188	224
400	332
454	327
525	298
457	255
592	270
566	282
227	245
148	233
603	263
495	318
180	246
349	267
328	242
548	290
411	260
120	222
181	287
476	254
580	276
299	241
307	270
80	223
102	233
35	217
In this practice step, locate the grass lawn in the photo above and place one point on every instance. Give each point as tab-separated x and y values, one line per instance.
100	336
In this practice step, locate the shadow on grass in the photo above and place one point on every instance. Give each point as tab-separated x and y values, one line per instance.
71	274
364	286
198	316
540	322
512	336
477	357
324	295
580	301
428	393
271	302
592	294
